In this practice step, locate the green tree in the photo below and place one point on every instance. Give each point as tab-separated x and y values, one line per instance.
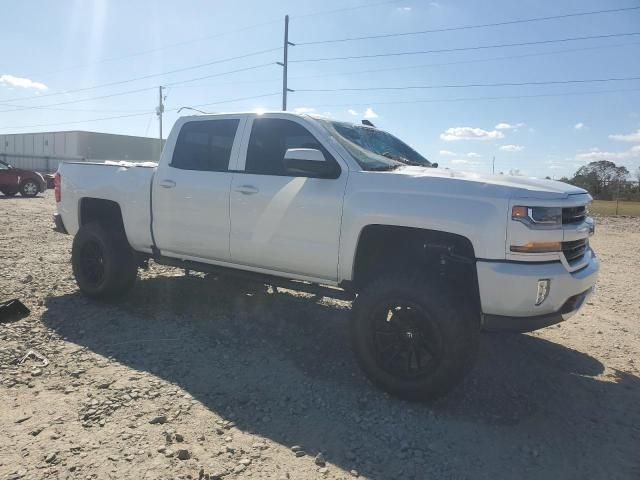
600	178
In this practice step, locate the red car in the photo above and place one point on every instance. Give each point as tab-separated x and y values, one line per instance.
14	180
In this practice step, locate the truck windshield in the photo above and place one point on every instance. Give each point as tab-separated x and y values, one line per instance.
374	149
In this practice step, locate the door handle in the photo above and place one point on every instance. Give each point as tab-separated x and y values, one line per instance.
247	189
167	183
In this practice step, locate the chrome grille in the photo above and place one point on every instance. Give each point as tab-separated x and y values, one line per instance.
575	249
573	214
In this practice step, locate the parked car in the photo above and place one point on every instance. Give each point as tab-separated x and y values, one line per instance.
14	180
429	256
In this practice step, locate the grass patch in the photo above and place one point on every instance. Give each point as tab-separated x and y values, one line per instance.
608	208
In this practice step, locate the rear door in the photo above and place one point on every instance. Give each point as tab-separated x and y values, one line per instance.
280	222
191	189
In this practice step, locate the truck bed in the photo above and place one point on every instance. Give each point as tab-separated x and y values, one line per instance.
126	183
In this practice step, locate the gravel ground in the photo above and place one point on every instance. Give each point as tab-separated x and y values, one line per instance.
194	377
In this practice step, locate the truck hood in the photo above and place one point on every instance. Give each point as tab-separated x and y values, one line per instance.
518	186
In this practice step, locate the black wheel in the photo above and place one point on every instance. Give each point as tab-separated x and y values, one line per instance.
103	262
29	188
411	339
9	193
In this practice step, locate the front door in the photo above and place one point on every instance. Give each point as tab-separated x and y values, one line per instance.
281	222
191	190
8	177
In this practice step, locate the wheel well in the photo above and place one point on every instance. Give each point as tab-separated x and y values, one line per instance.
105	212
444	256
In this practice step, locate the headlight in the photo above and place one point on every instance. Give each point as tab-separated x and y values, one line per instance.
548	216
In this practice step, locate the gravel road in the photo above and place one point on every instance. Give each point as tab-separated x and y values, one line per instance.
195	377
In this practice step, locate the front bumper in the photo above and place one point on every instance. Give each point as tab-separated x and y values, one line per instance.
508	289
499	323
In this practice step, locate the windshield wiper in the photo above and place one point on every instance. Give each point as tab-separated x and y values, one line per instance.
400	158
384	168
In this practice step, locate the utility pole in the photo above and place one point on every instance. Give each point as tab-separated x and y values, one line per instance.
285	63
493	165
160	111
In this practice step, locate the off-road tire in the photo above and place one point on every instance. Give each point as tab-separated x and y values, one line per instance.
103	263
29	188
455	326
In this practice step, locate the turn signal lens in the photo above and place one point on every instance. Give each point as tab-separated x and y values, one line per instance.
519	213
537	247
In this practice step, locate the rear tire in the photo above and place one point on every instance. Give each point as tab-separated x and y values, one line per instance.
411	339
29	188
103	262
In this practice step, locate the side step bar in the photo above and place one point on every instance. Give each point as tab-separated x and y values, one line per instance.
272	280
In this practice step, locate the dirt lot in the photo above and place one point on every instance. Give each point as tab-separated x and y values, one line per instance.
195	377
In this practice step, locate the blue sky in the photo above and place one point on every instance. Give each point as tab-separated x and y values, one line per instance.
56	47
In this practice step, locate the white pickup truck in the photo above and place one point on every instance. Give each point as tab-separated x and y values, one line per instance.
430	257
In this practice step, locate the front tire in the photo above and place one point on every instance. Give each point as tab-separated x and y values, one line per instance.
103	262
9	193
411	339
29	188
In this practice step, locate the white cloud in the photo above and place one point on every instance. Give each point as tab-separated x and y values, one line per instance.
595	154
511	148
579	126
304	110
369	113
11	81
448	153
469	133
626	137
457	161
509	126
353	112
404	9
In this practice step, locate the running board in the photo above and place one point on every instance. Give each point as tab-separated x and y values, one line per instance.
272	280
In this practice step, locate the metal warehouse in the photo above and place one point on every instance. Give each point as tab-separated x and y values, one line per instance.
44	151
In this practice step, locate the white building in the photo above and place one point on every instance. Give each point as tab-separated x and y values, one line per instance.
44	151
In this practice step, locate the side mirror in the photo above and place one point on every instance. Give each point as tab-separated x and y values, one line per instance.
306	162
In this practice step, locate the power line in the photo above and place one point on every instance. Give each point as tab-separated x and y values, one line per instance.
209	37
460	49
236	99
157	49
458	62
471	85
144	77
128	92
90	120
468	27
76	121
410	67
94	110
466	99
68	102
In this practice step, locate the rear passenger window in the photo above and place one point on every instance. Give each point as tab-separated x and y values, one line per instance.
271	138
205	145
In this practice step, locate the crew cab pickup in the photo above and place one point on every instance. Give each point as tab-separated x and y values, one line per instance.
429	256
